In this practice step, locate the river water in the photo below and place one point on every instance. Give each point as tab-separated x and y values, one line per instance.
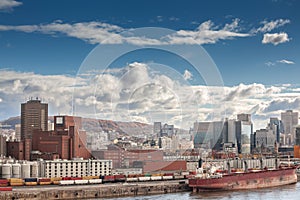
289	192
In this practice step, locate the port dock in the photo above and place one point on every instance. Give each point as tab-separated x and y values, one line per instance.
95	191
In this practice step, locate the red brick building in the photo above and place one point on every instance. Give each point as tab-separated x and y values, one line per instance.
15	150
67	141
126	158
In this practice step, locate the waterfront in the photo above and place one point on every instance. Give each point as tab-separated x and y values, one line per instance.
284	192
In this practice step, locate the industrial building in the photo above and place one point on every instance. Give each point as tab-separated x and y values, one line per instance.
75	168
54	168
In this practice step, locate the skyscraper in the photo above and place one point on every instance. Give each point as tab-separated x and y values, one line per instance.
34	116
244	133
290	121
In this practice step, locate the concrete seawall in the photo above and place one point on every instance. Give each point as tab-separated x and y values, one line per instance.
95	191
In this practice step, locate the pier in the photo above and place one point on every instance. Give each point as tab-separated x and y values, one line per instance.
95	191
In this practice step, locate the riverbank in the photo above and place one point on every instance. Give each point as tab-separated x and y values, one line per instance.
95	191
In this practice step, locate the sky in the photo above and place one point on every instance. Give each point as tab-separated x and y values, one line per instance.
60	51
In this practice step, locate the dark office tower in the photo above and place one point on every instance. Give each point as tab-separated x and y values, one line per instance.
34	116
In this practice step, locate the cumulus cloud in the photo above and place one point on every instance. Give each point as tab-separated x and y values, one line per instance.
275	38
134	92
269	26
286	62
187	75
6	5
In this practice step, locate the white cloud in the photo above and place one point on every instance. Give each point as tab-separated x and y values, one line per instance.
269	26
269	63
135	93
286	62
207	33
98	32
9	4
275	38
187	75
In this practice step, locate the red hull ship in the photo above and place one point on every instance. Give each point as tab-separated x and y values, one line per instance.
245	180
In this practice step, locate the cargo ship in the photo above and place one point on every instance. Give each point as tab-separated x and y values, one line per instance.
248	179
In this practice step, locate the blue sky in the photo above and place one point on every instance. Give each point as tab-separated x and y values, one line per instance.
59	54
254	44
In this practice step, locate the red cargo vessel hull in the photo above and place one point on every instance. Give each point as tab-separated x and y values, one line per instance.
246	180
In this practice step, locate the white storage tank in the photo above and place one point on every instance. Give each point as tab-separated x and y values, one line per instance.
6	171
25	170
16	170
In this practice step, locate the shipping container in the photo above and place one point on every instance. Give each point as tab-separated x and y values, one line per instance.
15	180
55	178
156	178
76	178
44	180
144	178
30	180
132	179
80	182
66	178
90	177
5	188
108	178
56	182
167	177
95	181
119	177
66	182
178	177
16	183
31	183
45	183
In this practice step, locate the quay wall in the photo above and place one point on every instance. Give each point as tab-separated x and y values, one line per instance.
109	191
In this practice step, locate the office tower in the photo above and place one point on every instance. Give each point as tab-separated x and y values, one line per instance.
18	132
290	121
34	116
244	133
277	126
157	128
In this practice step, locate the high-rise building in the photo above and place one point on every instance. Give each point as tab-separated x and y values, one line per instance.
244	133
167	130
265	138
34	116
290	121
157	128
209	134
277	126
18	132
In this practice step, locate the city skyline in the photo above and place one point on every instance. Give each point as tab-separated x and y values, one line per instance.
253	45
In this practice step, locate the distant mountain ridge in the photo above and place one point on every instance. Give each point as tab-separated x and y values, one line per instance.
95	125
